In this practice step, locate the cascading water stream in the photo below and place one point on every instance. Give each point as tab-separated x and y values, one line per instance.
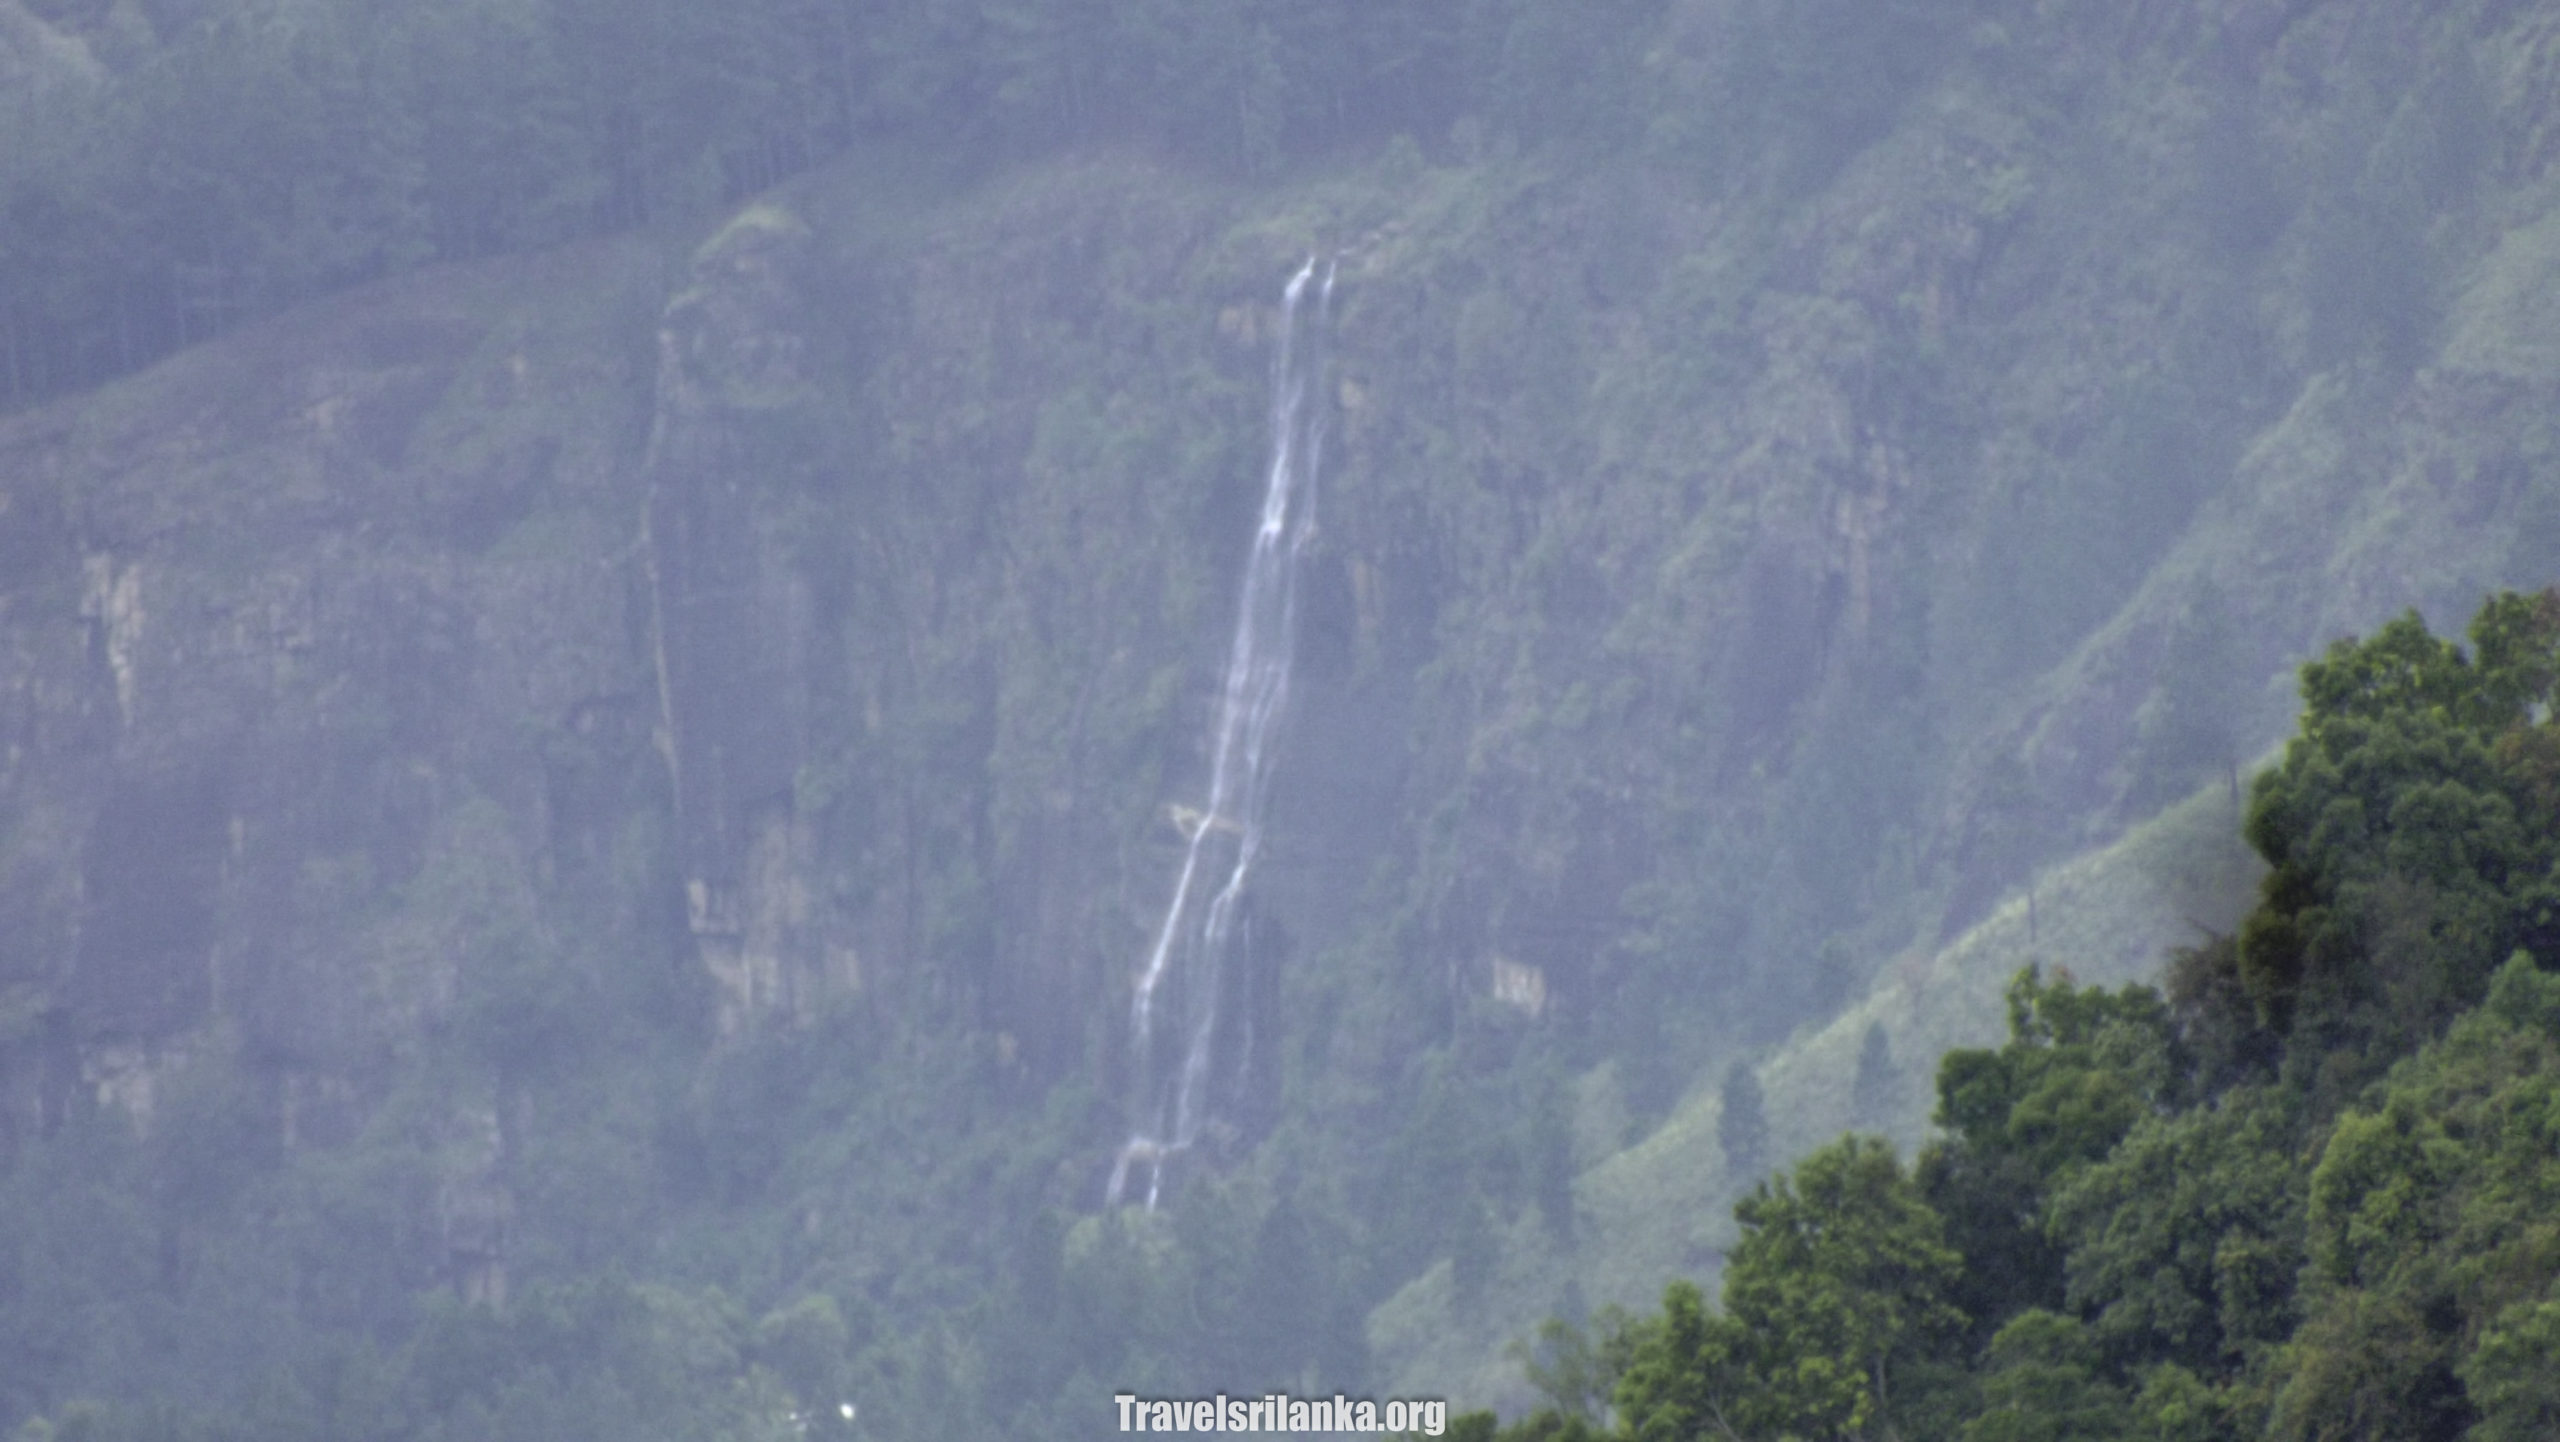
1185	965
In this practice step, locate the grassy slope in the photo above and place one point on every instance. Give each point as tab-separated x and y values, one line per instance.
1663	1207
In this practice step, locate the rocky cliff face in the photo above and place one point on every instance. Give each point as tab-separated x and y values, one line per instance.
365	664
899	561
322	693
731	624
1725	584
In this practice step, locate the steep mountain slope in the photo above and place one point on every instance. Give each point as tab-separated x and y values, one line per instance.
1663	1207
666	755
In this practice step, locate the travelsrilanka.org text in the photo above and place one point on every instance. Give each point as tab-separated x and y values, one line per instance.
1279	1412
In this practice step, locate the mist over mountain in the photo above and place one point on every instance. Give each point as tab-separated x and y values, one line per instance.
616	624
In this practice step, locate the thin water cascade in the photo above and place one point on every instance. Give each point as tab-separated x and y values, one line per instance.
1182	980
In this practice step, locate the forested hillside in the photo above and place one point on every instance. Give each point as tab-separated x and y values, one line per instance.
178	166
611	625
2303	1191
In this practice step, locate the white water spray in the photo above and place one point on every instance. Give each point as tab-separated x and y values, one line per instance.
1185	967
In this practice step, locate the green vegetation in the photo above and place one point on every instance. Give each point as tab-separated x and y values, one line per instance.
2306	1193
1809	482
176	168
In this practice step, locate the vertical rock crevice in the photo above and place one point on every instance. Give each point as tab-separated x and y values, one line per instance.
732	619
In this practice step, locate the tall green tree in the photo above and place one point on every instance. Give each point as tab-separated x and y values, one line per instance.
2081	1067
2403	867
2043	1384
1837	1292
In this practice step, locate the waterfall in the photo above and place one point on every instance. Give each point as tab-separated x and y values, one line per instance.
1181	981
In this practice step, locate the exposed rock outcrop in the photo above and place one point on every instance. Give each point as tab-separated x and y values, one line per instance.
315	654
732	620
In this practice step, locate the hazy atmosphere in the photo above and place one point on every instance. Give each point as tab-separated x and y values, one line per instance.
1650	719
